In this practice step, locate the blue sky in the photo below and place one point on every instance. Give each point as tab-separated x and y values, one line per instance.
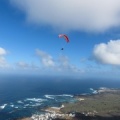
29	42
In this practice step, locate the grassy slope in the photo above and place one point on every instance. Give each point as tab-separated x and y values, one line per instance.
104	104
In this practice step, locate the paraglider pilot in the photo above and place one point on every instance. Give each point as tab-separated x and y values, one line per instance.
65	37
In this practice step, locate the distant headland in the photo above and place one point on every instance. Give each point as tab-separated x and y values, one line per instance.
104	104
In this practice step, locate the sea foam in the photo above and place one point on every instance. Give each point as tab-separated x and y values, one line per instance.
35	99
20	102
3	106
53	96
94	91
49	96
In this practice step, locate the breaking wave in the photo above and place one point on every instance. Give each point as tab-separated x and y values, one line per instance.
35	99
54	96
94	91
3	106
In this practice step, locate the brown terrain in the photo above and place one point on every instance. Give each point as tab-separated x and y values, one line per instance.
102	106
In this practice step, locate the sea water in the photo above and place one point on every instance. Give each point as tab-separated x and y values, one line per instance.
23	96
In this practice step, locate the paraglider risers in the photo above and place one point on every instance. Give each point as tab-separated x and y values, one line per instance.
66	39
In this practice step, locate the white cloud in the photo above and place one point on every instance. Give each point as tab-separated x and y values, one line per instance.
3	62
87	15
22	64
2	51
61	65
25	65
108	53
65	65
45	58
64	61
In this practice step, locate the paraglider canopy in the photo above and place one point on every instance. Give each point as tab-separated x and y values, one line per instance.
65	37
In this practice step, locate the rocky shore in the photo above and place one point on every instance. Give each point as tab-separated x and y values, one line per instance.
105	105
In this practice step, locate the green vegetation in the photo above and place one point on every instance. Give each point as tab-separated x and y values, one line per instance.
103	104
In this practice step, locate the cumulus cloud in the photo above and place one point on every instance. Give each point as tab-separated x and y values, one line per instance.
60	65
64	61
65	65
2	51
46	59
24	65
3	62
108	53
87	15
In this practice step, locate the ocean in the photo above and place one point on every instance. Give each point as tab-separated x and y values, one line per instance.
23	96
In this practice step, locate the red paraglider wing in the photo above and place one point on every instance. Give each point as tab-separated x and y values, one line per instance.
65	37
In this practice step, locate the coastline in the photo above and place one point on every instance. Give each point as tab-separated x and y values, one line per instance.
103	104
